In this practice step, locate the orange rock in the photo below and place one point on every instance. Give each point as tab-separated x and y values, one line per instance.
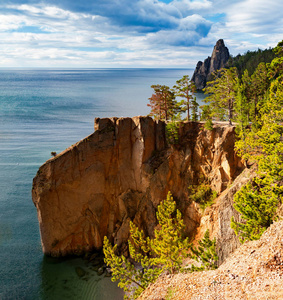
121	172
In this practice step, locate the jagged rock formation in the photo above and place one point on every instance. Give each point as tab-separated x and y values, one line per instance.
253	271
203	70
120	173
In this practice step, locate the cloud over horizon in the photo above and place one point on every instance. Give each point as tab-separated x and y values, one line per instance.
127	33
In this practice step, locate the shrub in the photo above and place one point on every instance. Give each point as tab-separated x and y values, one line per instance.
205	254
202	194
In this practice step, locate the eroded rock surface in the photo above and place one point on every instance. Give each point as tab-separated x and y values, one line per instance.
218	60
120	173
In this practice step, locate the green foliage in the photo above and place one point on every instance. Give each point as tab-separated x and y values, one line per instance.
206	115
163	102
165	252
185	89
202	194
262	143
194	107
208	125
257	202
169	245
250	60
222	93
205	254
130	278
172	130
206	112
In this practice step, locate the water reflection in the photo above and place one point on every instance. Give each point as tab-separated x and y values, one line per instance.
75	279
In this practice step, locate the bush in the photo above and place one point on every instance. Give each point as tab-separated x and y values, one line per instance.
208	125
202	194
172	132
257	204
205	254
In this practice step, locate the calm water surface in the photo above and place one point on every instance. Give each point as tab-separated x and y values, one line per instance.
49	110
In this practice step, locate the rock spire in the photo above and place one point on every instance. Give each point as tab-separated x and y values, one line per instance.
203	70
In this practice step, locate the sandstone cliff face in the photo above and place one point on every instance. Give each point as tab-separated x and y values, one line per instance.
218	59
217	218
120	173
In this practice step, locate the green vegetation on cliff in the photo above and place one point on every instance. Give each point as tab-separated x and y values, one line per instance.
165	252
262	143
251	94
163	103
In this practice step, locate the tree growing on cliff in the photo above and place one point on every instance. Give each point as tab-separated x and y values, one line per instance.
205	254
162	103
258	201
257	91
195	106
222	93
185	89
165	251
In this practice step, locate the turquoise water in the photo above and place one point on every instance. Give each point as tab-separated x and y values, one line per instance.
43	111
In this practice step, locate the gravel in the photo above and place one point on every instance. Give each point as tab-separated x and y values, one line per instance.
253	271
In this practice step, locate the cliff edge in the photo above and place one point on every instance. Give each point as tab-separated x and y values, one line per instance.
121	172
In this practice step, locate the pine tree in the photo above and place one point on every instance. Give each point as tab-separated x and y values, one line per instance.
242	104
258	201
258	87
195	106
222	93
162	103
165	251
205	254
185	88
156	105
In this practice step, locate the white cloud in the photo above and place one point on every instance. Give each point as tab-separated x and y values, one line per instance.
132	33
255	16
187	7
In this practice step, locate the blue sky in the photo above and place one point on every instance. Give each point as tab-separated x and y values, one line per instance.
132	33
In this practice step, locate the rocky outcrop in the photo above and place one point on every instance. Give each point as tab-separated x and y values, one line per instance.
217	218
218	59
120	173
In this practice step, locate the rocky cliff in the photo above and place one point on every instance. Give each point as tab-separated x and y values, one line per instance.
121	172
203	70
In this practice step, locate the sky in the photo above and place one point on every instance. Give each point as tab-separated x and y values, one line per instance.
132	33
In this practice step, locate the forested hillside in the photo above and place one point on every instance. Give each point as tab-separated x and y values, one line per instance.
254	101
250	60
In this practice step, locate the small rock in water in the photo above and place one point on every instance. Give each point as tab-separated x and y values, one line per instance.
100	271
80	272
108	272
